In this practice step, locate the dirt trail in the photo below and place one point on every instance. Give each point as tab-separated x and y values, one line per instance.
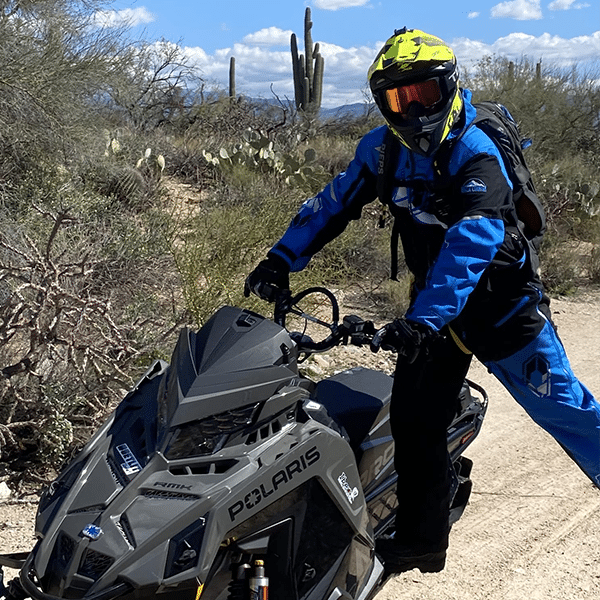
532	528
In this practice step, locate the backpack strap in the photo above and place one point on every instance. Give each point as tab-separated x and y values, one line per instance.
394	241
496	121
388	159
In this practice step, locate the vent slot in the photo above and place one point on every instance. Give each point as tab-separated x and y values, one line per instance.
264	432
94	564
204	437
205	468
65	546
117	474
126	531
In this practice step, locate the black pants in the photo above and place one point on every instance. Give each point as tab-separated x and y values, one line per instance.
424	402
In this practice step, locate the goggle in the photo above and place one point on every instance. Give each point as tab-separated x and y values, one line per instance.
426	93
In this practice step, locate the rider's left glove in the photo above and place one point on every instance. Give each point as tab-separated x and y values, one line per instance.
270	277
408	338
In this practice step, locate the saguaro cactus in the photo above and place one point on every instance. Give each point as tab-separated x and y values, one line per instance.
307	69
232	77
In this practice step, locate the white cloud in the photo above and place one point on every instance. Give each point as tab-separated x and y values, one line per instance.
522	10
270	36
566	5
337	4
552	49
256	68
473	15
128	17
260	67
345	72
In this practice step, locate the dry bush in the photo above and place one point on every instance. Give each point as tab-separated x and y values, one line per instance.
80	317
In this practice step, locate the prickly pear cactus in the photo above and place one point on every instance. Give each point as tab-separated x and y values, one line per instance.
257	153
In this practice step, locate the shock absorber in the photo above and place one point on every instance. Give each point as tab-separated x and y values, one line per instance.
259	584
238	587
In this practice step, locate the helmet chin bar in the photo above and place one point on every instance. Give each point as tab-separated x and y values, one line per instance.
421	142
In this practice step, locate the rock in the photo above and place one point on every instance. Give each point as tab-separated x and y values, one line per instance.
5	492
322	361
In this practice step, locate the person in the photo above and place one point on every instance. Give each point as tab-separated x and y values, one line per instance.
477	289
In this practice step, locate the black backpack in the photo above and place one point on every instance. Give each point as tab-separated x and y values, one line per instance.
495	120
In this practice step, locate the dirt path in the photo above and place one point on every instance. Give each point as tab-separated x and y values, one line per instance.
532	528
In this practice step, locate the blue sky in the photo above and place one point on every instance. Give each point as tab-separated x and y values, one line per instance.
560	32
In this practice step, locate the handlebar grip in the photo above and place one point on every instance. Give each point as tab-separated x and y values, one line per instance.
266	291
377	339
282	306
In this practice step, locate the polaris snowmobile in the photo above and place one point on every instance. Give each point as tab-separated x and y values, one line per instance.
229	475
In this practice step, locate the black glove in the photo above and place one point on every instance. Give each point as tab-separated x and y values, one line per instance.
406	337
268	279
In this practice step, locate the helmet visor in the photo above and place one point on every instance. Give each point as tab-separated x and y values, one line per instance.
426	93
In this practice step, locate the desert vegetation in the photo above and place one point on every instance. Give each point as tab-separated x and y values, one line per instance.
135	198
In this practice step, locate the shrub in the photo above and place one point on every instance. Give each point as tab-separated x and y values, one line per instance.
559	110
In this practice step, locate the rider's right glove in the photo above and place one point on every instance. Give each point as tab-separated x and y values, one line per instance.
269	278
408	338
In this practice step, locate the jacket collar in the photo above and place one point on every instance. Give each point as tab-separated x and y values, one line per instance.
468	114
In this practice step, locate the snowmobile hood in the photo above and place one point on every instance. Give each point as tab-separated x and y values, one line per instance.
236	357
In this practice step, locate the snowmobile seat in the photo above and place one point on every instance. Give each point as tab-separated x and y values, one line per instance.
356	400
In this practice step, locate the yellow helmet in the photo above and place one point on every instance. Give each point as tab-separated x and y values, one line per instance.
414	81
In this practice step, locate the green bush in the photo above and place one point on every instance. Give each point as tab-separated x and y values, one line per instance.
257	192
559	110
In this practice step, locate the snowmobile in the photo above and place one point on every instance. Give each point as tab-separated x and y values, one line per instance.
227	474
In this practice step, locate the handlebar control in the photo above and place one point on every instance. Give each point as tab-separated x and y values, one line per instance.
352	330
357	331
377	339
268	291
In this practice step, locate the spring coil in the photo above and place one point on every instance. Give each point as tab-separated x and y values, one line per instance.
237	590
238	586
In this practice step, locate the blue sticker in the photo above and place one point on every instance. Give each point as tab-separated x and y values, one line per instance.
130	464
92	531
474	186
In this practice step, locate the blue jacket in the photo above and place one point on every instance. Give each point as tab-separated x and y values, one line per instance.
474	270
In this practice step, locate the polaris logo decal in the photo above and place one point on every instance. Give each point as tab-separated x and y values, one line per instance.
474	186
91	531
278	481
537	374
130	464
351	493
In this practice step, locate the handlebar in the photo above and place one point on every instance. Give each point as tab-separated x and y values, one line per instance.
353	329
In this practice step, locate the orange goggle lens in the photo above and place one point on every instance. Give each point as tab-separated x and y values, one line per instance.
426	93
